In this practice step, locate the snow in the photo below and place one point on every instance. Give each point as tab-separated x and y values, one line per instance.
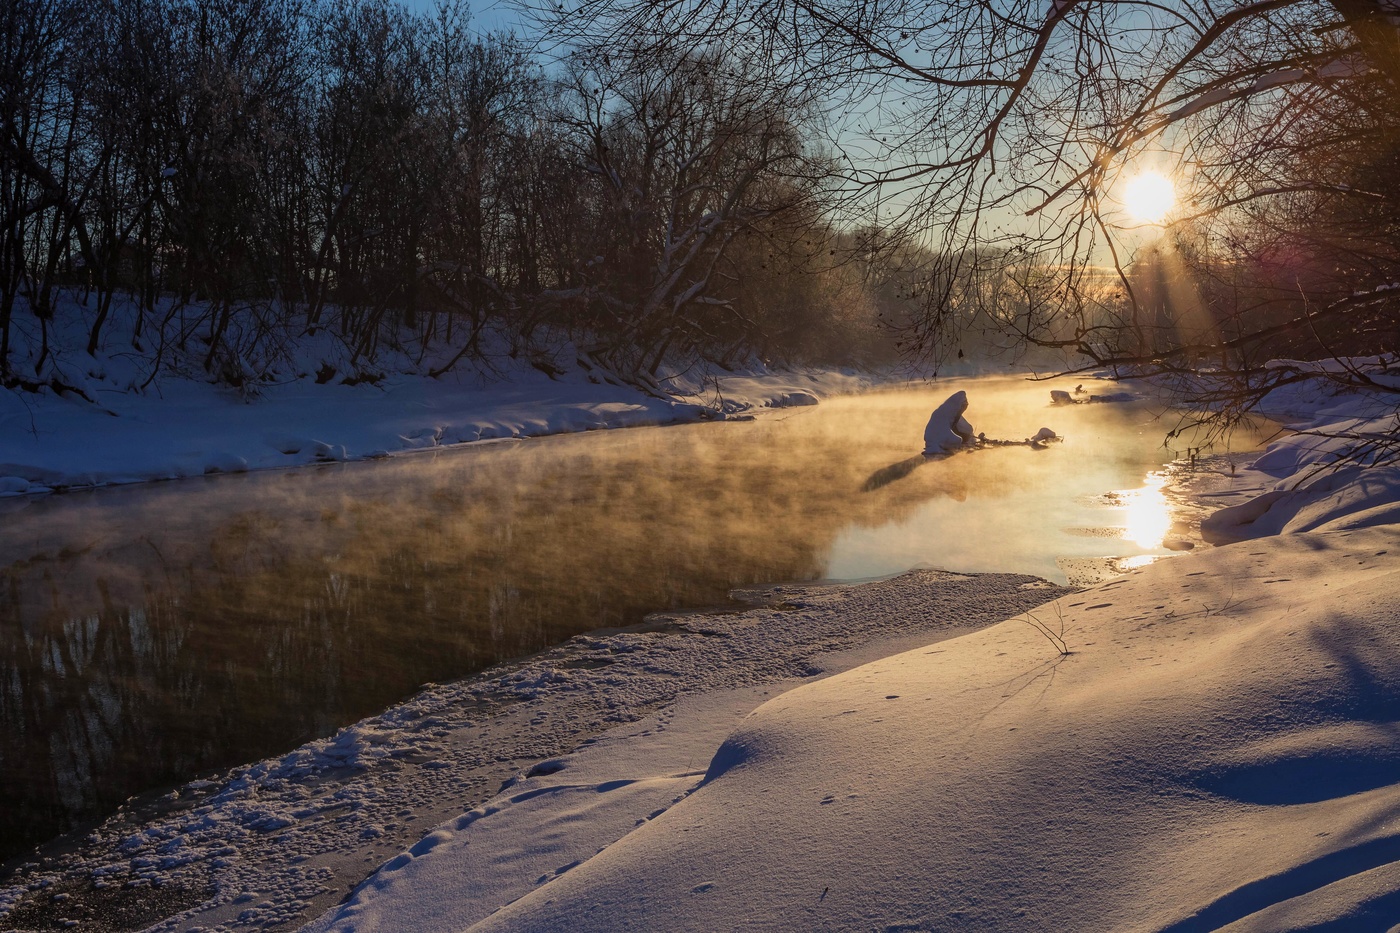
947	429
189	428
1336	366
1201	102
1336	472
543	826
1207	751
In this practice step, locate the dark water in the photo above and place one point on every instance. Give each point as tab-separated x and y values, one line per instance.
152	633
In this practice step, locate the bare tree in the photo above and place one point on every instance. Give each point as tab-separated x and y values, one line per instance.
997	134
44	172
684	151
237	178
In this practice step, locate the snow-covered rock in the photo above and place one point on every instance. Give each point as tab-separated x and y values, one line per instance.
947	429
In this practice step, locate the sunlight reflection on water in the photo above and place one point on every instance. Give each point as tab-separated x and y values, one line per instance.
1148	515
1077	512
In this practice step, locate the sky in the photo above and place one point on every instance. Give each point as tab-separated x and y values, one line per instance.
487	15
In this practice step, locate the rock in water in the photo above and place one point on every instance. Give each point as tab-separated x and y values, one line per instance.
947	429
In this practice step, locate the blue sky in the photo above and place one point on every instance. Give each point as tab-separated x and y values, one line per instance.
487	15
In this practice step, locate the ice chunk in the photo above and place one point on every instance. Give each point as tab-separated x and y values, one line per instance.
947	429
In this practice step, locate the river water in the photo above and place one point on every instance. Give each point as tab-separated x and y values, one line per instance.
152	633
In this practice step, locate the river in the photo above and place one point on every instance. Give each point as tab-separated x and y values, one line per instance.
149	634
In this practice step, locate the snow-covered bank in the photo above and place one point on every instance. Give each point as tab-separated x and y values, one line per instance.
1216	749
1339	470
189	428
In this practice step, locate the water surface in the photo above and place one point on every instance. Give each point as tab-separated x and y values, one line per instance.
152	633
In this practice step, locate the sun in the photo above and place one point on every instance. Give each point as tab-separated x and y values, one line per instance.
1149	196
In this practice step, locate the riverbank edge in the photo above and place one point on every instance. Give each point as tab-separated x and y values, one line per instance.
56	444
279	841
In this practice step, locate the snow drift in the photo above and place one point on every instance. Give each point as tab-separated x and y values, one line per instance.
1338	471
1217	750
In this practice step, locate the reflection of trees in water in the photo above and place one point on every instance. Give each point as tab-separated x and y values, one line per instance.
251	614
144	662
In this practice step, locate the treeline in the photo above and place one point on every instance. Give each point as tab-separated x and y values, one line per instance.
246	173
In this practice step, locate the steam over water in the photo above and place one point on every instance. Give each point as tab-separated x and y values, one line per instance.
152	633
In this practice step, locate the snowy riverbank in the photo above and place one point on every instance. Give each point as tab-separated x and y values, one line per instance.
1216	749
191	428
152	407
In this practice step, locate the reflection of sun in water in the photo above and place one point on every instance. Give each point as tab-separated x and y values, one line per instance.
1148	518
1149	197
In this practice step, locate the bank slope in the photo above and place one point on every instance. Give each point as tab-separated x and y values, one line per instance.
187	427
1218	750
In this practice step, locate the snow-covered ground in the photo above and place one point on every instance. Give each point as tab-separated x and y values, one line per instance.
189	427
1338	470
1217	748
1206	743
